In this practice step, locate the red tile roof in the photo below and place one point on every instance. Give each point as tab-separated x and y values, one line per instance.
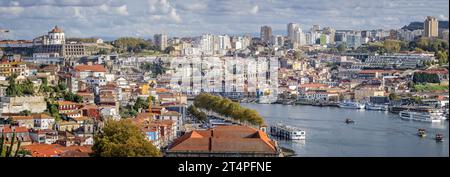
94	68
52	150
225	139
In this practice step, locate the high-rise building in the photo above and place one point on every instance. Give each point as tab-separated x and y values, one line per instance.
330	32
291	29
266	34
277	40
160	41
430	27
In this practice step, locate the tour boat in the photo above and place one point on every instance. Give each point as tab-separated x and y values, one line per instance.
427	116
288	132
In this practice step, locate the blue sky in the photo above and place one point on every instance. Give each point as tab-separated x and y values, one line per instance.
143	18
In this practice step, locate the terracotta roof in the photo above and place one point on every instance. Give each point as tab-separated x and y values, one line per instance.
66	103
11	129
225	139
15	118
170	113
57	150
94	68
312	85
42	116
56	30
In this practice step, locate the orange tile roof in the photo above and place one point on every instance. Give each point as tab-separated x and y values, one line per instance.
94	68
42	116
66	103
52	150
224	139
15	118
312	85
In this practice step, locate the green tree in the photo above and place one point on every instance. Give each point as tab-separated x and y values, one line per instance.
393	96
123	139
342	47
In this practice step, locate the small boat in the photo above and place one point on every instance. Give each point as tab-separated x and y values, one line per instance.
422	132
439	137
349	121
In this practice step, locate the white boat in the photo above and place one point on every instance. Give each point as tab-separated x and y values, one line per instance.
429	116
376	107
288	132
351	105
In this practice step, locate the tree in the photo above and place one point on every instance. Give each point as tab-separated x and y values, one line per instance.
342	47
392	46
122	139
25	113
394	96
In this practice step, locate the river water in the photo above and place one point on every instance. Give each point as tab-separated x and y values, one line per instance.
374	134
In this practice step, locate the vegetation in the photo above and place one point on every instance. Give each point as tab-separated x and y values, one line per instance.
14	89
132	110
122	139
429	87
52	110
8	150
135	45
228	108
420	77
157	68
393	96
69	96
194	112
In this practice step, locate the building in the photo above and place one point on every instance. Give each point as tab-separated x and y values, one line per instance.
430	27
54	37
292	28
160	41
224	141
266	34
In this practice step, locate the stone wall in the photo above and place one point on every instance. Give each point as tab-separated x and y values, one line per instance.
35	104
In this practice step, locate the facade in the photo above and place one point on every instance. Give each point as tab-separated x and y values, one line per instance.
266	34
430	27
160	41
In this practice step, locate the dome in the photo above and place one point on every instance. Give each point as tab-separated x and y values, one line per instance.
56	30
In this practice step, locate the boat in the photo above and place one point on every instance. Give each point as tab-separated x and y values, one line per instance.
351	105
376	107
439	137
428	116
349	121
288	132
421	132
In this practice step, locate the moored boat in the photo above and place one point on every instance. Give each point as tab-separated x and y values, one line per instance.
287	132
428	116
376	107
351	105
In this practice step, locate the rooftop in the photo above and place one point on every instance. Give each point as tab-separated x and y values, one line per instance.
225	139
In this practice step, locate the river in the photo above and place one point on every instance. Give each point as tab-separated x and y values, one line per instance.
374	134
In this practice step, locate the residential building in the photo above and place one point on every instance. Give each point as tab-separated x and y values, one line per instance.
266	34
160	41
430	27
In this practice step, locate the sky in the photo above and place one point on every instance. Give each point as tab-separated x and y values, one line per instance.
27	19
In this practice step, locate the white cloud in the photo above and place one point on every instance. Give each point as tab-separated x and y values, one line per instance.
163	8
255	10
12	10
